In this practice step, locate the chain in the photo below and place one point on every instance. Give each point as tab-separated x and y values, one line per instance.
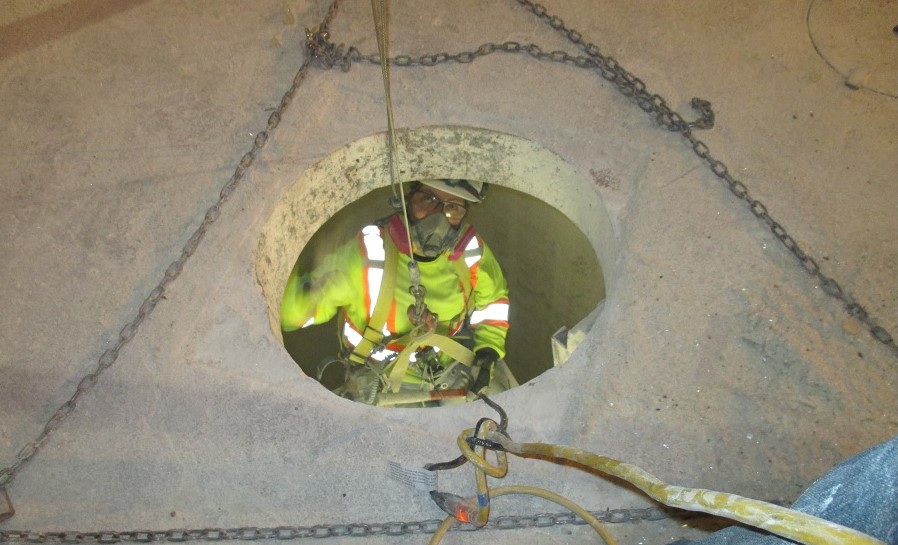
328	55
110	356
631	86
543	520
321	52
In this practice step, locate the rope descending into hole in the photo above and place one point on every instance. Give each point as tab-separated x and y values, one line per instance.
380	11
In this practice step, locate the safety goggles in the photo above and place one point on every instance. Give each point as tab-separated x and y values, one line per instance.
427	202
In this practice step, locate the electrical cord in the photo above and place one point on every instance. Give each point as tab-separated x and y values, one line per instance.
588	517
476	510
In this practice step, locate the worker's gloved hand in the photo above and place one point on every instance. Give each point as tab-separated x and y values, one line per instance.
484	358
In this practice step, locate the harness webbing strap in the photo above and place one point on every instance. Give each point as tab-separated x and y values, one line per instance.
453	349
373	334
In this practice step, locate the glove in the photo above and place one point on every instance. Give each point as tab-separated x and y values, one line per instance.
484	358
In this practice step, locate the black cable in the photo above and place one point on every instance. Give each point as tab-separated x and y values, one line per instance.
474	440
458	462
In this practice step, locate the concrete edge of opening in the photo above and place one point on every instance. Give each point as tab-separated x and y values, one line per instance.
354	170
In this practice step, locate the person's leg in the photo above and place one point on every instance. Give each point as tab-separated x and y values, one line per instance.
860	493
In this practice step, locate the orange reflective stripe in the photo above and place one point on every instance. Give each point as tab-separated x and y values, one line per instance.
391	318
473	272
379	278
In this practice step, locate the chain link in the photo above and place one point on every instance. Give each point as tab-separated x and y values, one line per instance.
633	87
328	55
322	53
110	356
285	533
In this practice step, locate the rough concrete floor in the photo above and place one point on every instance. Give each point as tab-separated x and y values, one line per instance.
717	362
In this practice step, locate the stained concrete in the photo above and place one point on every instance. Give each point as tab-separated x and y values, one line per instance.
715	362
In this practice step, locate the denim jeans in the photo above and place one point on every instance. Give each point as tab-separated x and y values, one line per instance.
860	493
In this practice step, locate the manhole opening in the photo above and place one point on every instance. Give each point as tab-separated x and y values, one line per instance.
544	222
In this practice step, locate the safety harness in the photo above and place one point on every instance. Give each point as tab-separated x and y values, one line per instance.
464	255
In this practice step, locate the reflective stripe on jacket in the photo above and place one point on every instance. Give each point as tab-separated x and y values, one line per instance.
349	281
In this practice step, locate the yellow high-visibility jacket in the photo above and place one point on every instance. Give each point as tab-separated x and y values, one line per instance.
349	280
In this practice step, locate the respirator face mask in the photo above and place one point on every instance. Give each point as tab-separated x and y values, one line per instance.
433	235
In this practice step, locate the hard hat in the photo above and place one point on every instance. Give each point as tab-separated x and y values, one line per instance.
468	190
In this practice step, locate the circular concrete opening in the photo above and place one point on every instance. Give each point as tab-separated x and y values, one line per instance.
544	221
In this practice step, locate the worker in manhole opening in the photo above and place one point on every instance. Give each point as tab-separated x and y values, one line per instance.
423	303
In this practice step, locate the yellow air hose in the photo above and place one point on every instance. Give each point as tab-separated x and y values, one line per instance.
473	443
788	523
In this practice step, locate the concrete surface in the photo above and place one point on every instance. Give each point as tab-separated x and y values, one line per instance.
716	360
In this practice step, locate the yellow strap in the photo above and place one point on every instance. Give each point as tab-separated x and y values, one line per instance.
453	349
373	334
